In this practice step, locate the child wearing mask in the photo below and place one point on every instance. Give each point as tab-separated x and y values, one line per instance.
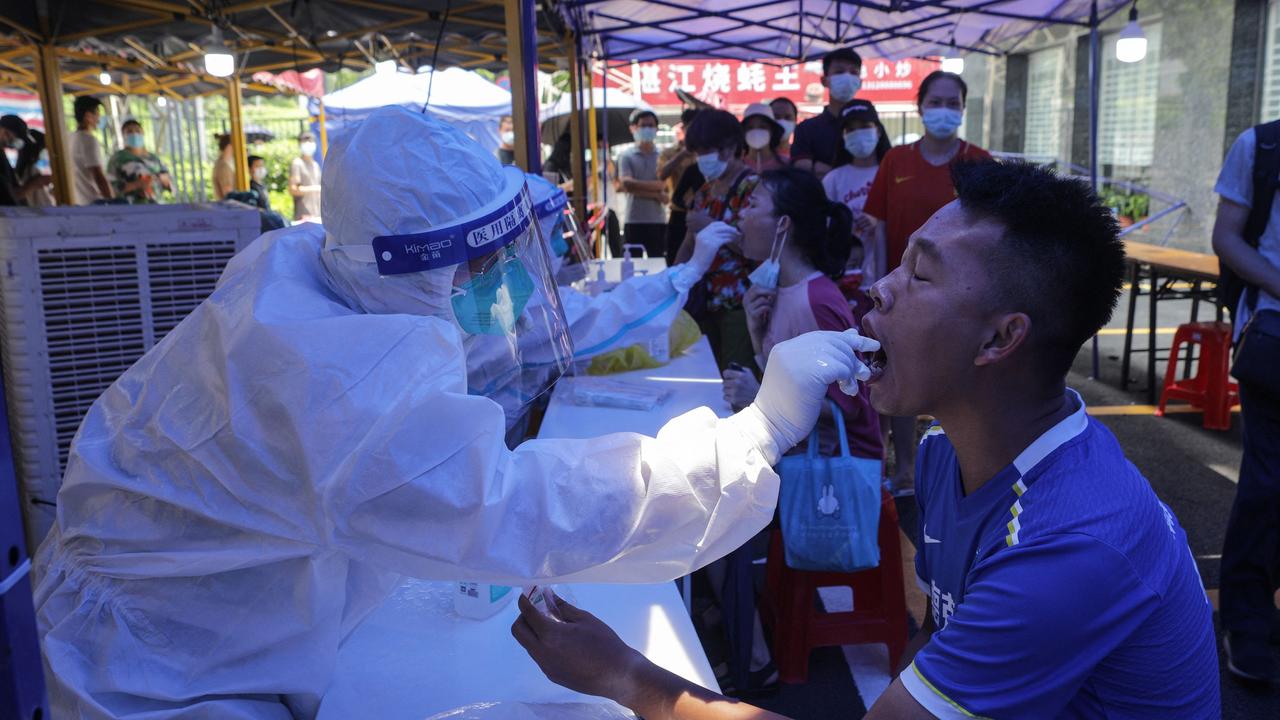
865	145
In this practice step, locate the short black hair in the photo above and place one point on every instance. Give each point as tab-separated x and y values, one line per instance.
253	158
713	130
1060	259
84	105
640	113
843	53
223	141
795	110
937	75
687	115
124	126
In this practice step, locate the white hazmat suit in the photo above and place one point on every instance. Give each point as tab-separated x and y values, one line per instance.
245	494
637	310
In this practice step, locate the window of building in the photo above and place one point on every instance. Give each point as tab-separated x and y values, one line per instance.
1270	109
1127	104
1046	110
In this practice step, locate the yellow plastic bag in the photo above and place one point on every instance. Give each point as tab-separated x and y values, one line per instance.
683	334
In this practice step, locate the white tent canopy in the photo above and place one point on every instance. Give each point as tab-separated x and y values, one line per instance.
460	97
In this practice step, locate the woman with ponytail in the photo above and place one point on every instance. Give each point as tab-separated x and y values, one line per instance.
802	241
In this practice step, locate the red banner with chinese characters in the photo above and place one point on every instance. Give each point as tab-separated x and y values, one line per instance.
734	84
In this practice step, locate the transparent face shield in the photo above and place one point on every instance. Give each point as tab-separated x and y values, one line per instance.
502	296
577	238
567	245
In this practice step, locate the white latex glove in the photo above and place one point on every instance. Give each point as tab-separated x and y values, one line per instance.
708	240
797	376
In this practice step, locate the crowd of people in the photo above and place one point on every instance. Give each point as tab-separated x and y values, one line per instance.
841	158
135	174
204	561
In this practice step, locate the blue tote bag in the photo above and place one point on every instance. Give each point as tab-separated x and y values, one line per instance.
830	507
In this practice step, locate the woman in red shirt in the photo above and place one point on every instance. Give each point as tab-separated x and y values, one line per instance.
913	183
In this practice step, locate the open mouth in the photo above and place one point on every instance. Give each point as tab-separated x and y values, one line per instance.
876	361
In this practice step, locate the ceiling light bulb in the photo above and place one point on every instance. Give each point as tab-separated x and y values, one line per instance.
1131	47
218	60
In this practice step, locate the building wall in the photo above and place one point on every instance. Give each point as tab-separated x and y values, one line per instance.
1191	111
1207	93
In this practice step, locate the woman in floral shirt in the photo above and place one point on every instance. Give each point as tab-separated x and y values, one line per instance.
716	137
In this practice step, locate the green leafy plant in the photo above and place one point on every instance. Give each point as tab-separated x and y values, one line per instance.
1125	203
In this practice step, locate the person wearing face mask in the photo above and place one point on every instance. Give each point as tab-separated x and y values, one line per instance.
260	481
914	182
645	220
86	154
258	181
13	135
819	139
763	135
865	145
34	186
136	173
786	114
304	180
507	141
224	168
716	138
801	240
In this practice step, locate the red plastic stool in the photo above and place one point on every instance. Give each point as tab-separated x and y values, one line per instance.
1211	390
879	600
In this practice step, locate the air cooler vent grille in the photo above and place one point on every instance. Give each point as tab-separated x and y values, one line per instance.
93	319
181	275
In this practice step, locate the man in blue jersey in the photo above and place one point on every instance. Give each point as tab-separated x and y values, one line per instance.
1059	584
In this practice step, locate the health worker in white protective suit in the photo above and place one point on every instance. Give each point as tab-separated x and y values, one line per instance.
245	494
636	310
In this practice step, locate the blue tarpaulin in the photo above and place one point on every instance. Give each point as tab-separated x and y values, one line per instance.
806	29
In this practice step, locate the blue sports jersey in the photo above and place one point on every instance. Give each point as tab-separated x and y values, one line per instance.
1063	587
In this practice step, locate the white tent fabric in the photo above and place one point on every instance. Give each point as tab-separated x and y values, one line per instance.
808	29
460	97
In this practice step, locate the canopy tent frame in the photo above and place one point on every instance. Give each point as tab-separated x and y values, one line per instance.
614	41
135	30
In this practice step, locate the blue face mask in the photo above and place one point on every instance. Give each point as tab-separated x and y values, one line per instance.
559	247
941	123
490	303
646	134
711	166
133	140
102	122
861	143
844	86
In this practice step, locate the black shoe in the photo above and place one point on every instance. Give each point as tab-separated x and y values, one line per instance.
759	681
1249	658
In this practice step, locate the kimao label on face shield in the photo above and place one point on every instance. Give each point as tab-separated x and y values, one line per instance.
468	239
